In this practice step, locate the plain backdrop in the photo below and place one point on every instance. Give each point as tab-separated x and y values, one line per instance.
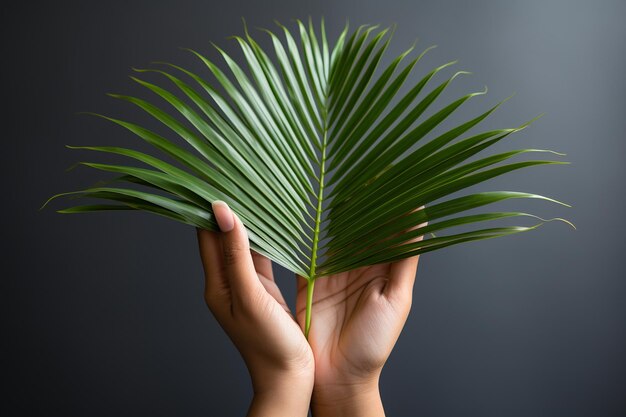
103	315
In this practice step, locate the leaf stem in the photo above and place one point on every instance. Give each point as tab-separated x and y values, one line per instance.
309	301
318	221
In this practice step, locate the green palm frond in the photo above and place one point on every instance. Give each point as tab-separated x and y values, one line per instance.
308	149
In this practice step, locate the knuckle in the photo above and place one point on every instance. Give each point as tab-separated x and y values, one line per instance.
233	251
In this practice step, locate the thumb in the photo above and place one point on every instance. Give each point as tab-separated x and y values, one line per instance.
402	272
238	263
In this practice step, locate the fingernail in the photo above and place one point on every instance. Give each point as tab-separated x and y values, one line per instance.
223	215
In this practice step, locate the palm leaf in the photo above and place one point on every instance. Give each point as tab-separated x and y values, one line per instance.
309	151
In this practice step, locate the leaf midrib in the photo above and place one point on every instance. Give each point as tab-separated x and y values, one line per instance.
320	193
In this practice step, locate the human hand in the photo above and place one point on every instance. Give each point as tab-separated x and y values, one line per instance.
241	293
357	317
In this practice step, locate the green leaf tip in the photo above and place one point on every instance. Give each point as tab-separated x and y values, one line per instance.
57	196
245	25
425	51
544	221
72	167
504	100
562	220
218	48
459	73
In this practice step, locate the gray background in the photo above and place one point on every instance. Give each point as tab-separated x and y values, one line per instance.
103	314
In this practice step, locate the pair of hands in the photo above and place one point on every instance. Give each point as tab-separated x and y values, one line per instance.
357	318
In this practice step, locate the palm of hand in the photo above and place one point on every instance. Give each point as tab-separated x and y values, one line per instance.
357	318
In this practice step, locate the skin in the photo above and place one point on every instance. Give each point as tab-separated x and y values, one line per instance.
241	293
357	318
334	373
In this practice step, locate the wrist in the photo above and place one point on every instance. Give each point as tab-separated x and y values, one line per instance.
282	382
351	398
279	377
283	394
